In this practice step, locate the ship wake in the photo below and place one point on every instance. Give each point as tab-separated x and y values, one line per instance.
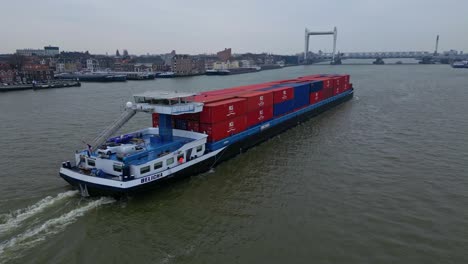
26	228
14	219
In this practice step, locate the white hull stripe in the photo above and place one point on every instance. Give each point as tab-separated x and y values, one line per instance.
139	181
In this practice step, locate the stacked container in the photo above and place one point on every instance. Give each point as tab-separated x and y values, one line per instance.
347	85
301	95
316	92
155	117
259	106
327	84
223	118
283	100
230	111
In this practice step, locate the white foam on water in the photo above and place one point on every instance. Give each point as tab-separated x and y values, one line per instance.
14	219
35	235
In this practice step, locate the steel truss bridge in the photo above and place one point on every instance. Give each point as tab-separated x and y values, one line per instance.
335	58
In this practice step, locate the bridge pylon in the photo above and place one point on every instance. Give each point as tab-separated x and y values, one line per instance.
314	33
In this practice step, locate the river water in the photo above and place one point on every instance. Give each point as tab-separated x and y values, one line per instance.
382	178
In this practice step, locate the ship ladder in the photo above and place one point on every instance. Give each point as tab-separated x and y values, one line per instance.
110	130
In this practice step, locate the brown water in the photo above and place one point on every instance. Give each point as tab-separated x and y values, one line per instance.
379	179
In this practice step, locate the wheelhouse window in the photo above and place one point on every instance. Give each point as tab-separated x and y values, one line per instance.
117	167
145	169
91	162
169	161
199	148
158	165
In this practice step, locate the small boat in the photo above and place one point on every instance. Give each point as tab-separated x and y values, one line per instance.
217	72
460	64
166	75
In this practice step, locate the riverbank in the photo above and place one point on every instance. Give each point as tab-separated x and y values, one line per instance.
40	86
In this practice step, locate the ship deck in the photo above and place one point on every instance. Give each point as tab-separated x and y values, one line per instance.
153	149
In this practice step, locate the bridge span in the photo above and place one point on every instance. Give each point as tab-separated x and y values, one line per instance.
424	57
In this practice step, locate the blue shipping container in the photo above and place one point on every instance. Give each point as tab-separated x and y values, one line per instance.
283	108
301	95
316	86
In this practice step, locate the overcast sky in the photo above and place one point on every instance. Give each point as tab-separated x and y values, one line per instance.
207	26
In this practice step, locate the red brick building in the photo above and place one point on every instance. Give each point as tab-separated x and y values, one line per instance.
7	74
36	72
224	55
184	65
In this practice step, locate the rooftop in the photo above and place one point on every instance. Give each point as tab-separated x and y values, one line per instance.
163	95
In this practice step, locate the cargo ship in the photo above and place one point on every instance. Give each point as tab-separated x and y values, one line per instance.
193	132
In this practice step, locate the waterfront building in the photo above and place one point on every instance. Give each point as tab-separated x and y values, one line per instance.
124	66
161	67
30	52
7	74
48	51
247	63
143	67
36	72
224	55
187	65
66	67
92	65
168	57
51	51
60	67
105	62
220	65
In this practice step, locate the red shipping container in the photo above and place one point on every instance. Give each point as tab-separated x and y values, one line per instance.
194	116
253	87
259	115
346	85
205	98
282	94
193	125
336	90
316	97
328	93
223	110
327	82
237	89
285	81
339	83
223	129
256	100
310	77
221	92
346	78
155	119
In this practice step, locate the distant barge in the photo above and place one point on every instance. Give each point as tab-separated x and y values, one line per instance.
233	71
93	77
40	86
192	133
